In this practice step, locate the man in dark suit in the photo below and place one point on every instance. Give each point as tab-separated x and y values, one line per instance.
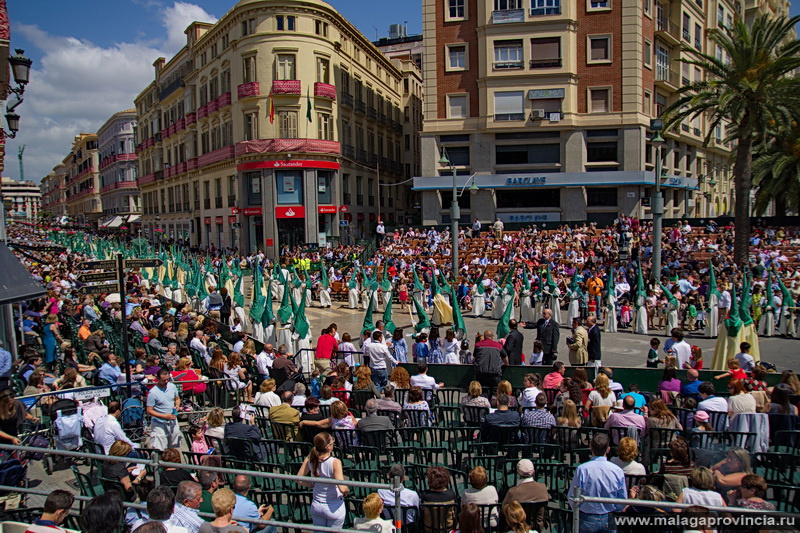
243	427
373	421
549	335
512	350
594	342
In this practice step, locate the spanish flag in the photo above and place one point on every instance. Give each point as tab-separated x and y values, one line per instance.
271	108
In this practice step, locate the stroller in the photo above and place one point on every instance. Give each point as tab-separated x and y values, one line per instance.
132	419
66	424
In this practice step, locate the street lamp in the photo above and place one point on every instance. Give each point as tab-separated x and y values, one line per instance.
657	205
455	212
21	69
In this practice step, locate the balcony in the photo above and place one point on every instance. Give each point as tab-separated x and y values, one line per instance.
211	106
224	100
202	112
545	11
546	63
286	87
159	174
508	65
191	118
157	137
325	90
372	113
119	185
685	127
265	146
668	31
231	200
144	180
361	155
207	203
360	107
347	198
180	125
349	151
347	100
191	164
220	154
505	16
218	202
182	167
667	78
246	90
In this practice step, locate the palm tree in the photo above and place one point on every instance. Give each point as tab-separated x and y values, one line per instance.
752	88
776	170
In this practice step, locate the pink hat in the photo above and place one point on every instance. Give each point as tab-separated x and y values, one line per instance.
701	416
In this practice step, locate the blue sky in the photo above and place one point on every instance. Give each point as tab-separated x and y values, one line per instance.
92	57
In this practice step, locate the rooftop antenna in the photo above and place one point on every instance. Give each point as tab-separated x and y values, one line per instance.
21	167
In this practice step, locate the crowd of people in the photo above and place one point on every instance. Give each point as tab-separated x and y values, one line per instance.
686	441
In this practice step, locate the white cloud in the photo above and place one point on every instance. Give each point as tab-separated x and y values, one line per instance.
77	86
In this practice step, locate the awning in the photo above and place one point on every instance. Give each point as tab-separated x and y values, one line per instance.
16	283
134	218
115	222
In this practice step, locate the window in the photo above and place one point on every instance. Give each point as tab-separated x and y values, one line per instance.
251	126
225	41
285	64
599	4
323	70
545	7
521	154
601	152
661	104
527	198
662	63
599	100
647	103
698	37
599	49
508	54
456	106
458	155
284	23
325	126
324	195
698	74
647	6
287	124
546	52
648	53
249	64
687	24
321	28
456	57
509	105
456	9
601	197
248	27
720	15
505	5
290	186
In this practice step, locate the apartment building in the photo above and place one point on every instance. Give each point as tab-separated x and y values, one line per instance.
53	192
548	104
119	191
281	124
25	199
82	181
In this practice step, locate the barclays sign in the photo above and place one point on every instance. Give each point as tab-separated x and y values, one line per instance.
527	180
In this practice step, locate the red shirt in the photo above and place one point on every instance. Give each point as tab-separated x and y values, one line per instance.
326	346
738	374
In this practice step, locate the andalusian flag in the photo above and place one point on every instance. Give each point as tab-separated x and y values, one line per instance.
271	108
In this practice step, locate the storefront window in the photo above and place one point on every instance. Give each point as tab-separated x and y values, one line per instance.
526	198
290	187
324	195
601	197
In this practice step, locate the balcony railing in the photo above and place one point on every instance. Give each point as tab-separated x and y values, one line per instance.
546	63
202	112
347	100
220	154
144	180
349	151
667	75
191	164
360	106
211	106
372	112
508	15
218	202
262	146
207	203
231	200
224	100
180	124
544	11
508	65
668	29
191	118
119	185
361	156
325	90
196	205
286	87
186	206
371	200
246	90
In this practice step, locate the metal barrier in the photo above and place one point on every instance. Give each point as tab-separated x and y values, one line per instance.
576	499
155	463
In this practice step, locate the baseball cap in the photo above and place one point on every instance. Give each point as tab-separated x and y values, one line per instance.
701	416
525	468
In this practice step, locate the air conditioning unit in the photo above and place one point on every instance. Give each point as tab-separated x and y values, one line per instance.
537	114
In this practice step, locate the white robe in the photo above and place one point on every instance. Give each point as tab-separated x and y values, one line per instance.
640	318
497	304
712	324
324	297
672	317
574	309
419	297
766	326
786	325
386	297
610	325
365	300
258	331
508	299
555	305
352	297
478	302
284	335
525	307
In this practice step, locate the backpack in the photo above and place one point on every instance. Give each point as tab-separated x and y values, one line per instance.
12	472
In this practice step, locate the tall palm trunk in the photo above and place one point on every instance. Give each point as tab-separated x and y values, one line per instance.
743	181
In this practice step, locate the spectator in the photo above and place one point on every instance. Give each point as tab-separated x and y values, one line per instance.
528	489
243	427
709	402
107	429
327	507
326	348
669	382
681	349
215	423
374	421
627	451
554	378
626	418
569	416
780	401
516	519
209	482
237	375
751	494
299	399
739	400
187	504
531	382
422	379
102	514
690	388
470	520
415	402
245	508
504	387
734	371
172	476
756	380
539	416
57	507
223	502
110	371
310	412
512	349
701	489
474	396
549	335
401	379
594	345
285	413
639	400
364	381
600	478
729	472
387	403
184	372
659	416
502	417
119	471
409	498
266	397
380	359
163	404
745	360
601	396
373	507
437	492
488	360
160	506
615	387
481	493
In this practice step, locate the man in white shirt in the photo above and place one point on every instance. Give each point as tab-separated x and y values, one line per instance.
160	507
199	343
423	380
264	361
107	429
681	349
723	305
709	402
237	347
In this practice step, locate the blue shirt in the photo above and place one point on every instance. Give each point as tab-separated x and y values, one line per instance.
244	508
5	363
601	479
638	399
690	388
108	373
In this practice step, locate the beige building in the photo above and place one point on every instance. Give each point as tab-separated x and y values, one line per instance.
281	124
82	181
119	191
53	192
24	198
548	104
